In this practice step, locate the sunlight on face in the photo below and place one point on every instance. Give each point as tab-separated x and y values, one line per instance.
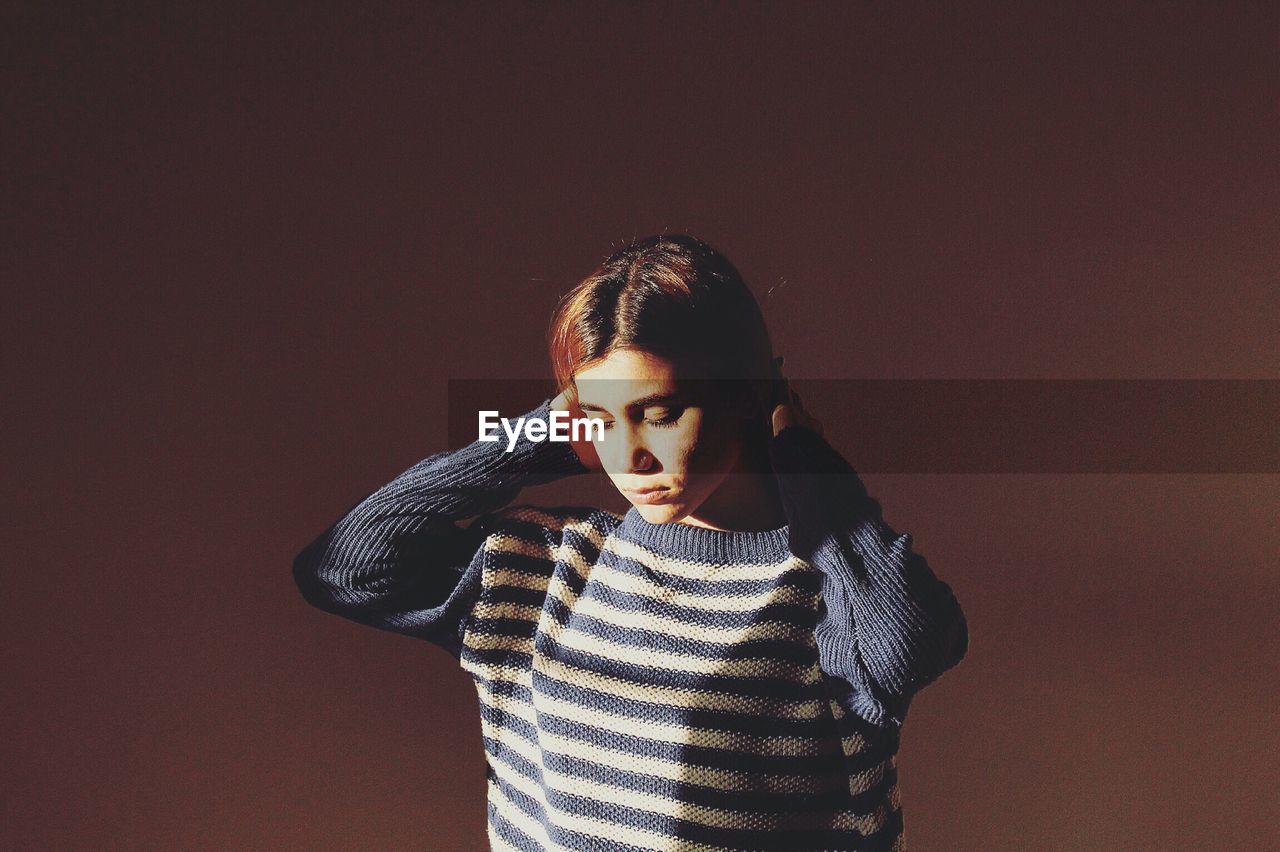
657	436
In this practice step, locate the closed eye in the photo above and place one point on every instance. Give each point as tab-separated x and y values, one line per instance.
666	422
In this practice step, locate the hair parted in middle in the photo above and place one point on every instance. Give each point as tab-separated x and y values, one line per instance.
677	297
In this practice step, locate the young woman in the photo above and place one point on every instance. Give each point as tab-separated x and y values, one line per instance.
728	664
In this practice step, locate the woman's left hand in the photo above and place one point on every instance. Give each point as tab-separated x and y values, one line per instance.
793	413
584	448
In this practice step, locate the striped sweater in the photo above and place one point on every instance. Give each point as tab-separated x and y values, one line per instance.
658	686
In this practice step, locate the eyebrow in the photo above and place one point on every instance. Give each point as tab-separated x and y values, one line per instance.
642	402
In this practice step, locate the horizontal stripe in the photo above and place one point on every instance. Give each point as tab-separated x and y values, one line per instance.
699	598
521	565
620	627
773	783
514	683
581	804
709	697
569	585
718	767
639	680
793	573
695	570
631	700
504	836
513	635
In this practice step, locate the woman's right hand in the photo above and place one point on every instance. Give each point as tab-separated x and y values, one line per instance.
585	449
791	411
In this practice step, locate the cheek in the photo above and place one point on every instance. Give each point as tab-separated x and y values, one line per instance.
681	452
711	451
675	451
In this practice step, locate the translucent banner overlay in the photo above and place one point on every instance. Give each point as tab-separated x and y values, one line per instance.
997	425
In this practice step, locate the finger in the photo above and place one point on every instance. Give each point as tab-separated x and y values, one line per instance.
783	416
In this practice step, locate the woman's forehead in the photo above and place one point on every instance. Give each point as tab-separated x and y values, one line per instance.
627	377
628	365
632	378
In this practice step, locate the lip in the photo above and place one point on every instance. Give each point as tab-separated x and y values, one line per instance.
648	495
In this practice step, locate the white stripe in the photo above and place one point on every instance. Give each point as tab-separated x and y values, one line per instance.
692	570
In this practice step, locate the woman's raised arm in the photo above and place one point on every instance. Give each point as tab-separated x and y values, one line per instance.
890	627
398	561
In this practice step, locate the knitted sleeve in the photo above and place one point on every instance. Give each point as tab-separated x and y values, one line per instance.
888	626
397	560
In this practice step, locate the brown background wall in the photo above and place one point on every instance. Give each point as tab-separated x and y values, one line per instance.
247	246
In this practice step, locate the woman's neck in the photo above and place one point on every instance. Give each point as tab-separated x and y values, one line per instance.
747	500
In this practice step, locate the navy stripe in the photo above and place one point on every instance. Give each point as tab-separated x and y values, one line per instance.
883	840
514	595
793	614
676	828
510	722
798	577
712	719
652	677
881	737
508	832
585	547
564	837
516	761
534	566
755	802
786	649
496	657
781	650
528	531
746	761
694	755
519	628
866	801
818	805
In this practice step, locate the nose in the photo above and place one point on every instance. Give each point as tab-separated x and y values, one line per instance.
641	460
629	452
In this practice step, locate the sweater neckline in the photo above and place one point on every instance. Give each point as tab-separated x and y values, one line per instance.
684	541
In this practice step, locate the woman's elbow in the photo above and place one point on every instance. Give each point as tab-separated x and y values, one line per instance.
939	647
951	638
317	575
954	642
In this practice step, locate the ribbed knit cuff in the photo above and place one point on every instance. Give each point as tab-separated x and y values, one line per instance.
812	475
528	462
546	460
798	449
481	476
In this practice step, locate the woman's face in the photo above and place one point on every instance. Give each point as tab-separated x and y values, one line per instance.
656	435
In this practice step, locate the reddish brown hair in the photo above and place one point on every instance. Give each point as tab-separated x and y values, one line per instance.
677	297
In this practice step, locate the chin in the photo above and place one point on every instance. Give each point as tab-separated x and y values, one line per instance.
661	513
